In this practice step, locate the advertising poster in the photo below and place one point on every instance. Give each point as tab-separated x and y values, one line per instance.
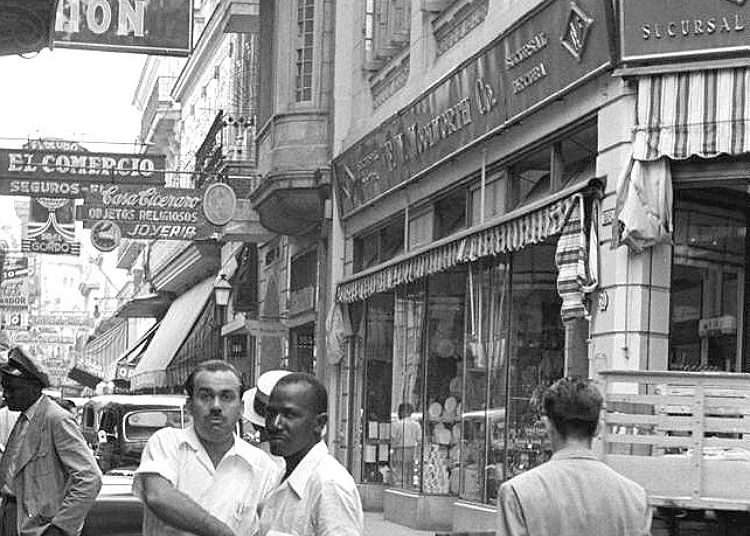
51	227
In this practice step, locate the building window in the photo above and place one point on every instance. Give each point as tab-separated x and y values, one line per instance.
386	30
709	262
450	213
304	50
454	368
379	245
245	293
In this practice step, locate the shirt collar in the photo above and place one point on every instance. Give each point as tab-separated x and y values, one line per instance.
32	410
302	473
190	438
567	453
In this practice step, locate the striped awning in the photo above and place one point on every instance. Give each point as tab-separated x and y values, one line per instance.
525	226
698	113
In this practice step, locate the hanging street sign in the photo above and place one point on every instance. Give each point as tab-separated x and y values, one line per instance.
146	213
163	27
51	227
43	172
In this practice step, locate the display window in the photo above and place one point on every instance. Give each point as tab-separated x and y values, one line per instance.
454	368
708	279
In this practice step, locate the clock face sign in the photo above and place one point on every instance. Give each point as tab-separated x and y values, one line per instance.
219	202
105	235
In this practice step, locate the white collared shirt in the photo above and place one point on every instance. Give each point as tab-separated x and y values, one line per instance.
231	491
319	498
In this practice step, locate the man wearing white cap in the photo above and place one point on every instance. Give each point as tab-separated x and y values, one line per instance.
255	401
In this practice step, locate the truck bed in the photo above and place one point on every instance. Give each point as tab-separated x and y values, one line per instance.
684	436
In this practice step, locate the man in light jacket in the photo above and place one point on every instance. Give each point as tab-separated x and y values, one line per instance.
49	479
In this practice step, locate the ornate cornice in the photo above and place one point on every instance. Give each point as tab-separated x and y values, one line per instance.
454	25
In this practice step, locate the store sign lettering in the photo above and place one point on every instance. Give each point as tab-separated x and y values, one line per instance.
148	213
663	30
558	46
163	27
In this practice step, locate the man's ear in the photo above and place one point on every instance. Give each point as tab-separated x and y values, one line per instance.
321	420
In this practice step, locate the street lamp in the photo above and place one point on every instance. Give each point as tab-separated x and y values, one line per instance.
222	288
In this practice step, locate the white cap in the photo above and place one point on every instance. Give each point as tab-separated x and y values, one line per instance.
254	400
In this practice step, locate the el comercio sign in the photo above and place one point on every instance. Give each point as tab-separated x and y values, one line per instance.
677	29
556	47
71	174
163	27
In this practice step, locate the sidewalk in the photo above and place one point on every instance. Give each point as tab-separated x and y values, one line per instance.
375	525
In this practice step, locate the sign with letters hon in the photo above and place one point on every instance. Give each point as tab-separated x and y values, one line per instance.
147	26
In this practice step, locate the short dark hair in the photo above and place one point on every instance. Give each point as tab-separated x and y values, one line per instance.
212	365
573	405
320	395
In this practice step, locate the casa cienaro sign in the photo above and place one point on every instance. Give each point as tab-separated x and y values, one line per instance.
72	174
556	47
146	213
654	30
145	26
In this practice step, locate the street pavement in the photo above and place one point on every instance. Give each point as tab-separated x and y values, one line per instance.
375	525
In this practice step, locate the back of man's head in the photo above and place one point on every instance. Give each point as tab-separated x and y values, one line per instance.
314	387
573	405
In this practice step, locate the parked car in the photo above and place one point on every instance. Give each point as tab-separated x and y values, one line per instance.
116	512
118	426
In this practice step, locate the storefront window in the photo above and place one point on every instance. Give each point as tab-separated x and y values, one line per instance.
708	279
378	381
443	381
536	354
483	406
406	393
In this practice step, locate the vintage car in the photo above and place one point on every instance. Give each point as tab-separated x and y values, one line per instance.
118	426
116	512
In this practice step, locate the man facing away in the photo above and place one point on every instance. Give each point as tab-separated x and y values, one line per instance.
203	479
317	496
49	479
574	493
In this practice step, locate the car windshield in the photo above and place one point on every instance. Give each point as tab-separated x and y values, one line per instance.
140	425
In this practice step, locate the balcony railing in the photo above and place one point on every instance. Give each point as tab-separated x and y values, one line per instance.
230	139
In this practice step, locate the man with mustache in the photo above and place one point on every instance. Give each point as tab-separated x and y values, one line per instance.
317	496
203	479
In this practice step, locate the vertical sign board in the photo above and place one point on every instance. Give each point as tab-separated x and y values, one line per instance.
653	30
556	47
147	26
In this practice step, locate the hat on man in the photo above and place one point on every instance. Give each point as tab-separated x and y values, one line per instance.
22	365
255	400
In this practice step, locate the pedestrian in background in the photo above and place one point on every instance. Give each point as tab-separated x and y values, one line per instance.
48	476
574	493
204	479
254	403
317	497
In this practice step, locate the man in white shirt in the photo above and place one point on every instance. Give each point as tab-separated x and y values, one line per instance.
204	480
317	496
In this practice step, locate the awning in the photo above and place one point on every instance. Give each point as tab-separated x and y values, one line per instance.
150	306
174	328
530	224
697	113
127	362
99	354
84	377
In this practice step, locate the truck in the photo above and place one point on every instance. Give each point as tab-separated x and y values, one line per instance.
684	436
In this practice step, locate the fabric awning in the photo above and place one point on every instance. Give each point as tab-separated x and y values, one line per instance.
99	354
84	377
527	225
697	113
173	329
150	306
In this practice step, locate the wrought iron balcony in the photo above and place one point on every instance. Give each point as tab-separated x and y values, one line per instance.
227	150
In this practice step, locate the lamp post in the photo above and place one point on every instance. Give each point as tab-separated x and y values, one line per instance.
222	289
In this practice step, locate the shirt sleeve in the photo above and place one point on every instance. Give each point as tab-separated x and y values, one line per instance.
339	511
511	521
160	457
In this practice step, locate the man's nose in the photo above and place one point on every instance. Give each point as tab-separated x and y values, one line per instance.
275	422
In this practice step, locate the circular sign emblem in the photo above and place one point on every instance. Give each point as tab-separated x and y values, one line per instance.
219	202
105	235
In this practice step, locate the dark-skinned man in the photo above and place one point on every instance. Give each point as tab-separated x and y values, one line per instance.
48	475
204	480
317	496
